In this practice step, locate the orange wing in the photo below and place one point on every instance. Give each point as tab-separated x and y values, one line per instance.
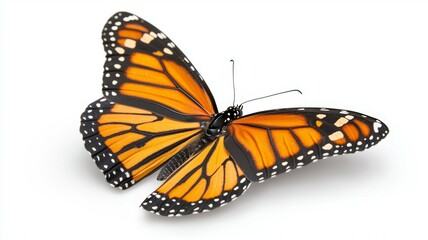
144	68
128	143
155	102
268	143
206	181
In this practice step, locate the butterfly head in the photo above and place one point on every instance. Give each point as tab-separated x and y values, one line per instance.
234	112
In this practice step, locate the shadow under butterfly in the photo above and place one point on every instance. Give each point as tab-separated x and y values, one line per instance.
158	113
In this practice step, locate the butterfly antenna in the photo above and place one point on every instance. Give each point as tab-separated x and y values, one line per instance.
233	80
271	95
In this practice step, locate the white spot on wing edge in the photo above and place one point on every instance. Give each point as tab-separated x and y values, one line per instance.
328	146
340	122
171	45
130	43
167	51
146	38
161	35
321	116
130	18
120	50
335	136
153	34
376	126
349	117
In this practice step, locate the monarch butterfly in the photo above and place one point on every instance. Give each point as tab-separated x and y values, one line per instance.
158	113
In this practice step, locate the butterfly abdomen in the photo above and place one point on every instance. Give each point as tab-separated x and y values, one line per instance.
178	159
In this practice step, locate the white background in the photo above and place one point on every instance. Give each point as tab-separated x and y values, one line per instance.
366	56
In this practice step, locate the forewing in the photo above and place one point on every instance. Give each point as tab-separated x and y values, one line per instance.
144	68
206	181
129	143
268	143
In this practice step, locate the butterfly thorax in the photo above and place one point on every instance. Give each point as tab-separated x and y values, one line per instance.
220	121
213	129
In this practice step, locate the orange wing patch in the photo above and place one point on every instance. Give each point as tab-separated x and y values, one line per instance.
110	129
125	117
129	34
283	138
351	132
365	129
120	108
148	76
146	60
118	142
183	78
207	180
138	27
257	143
308	136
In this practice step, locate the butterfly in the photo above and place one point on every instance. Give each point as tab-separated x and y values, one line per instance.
157	112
